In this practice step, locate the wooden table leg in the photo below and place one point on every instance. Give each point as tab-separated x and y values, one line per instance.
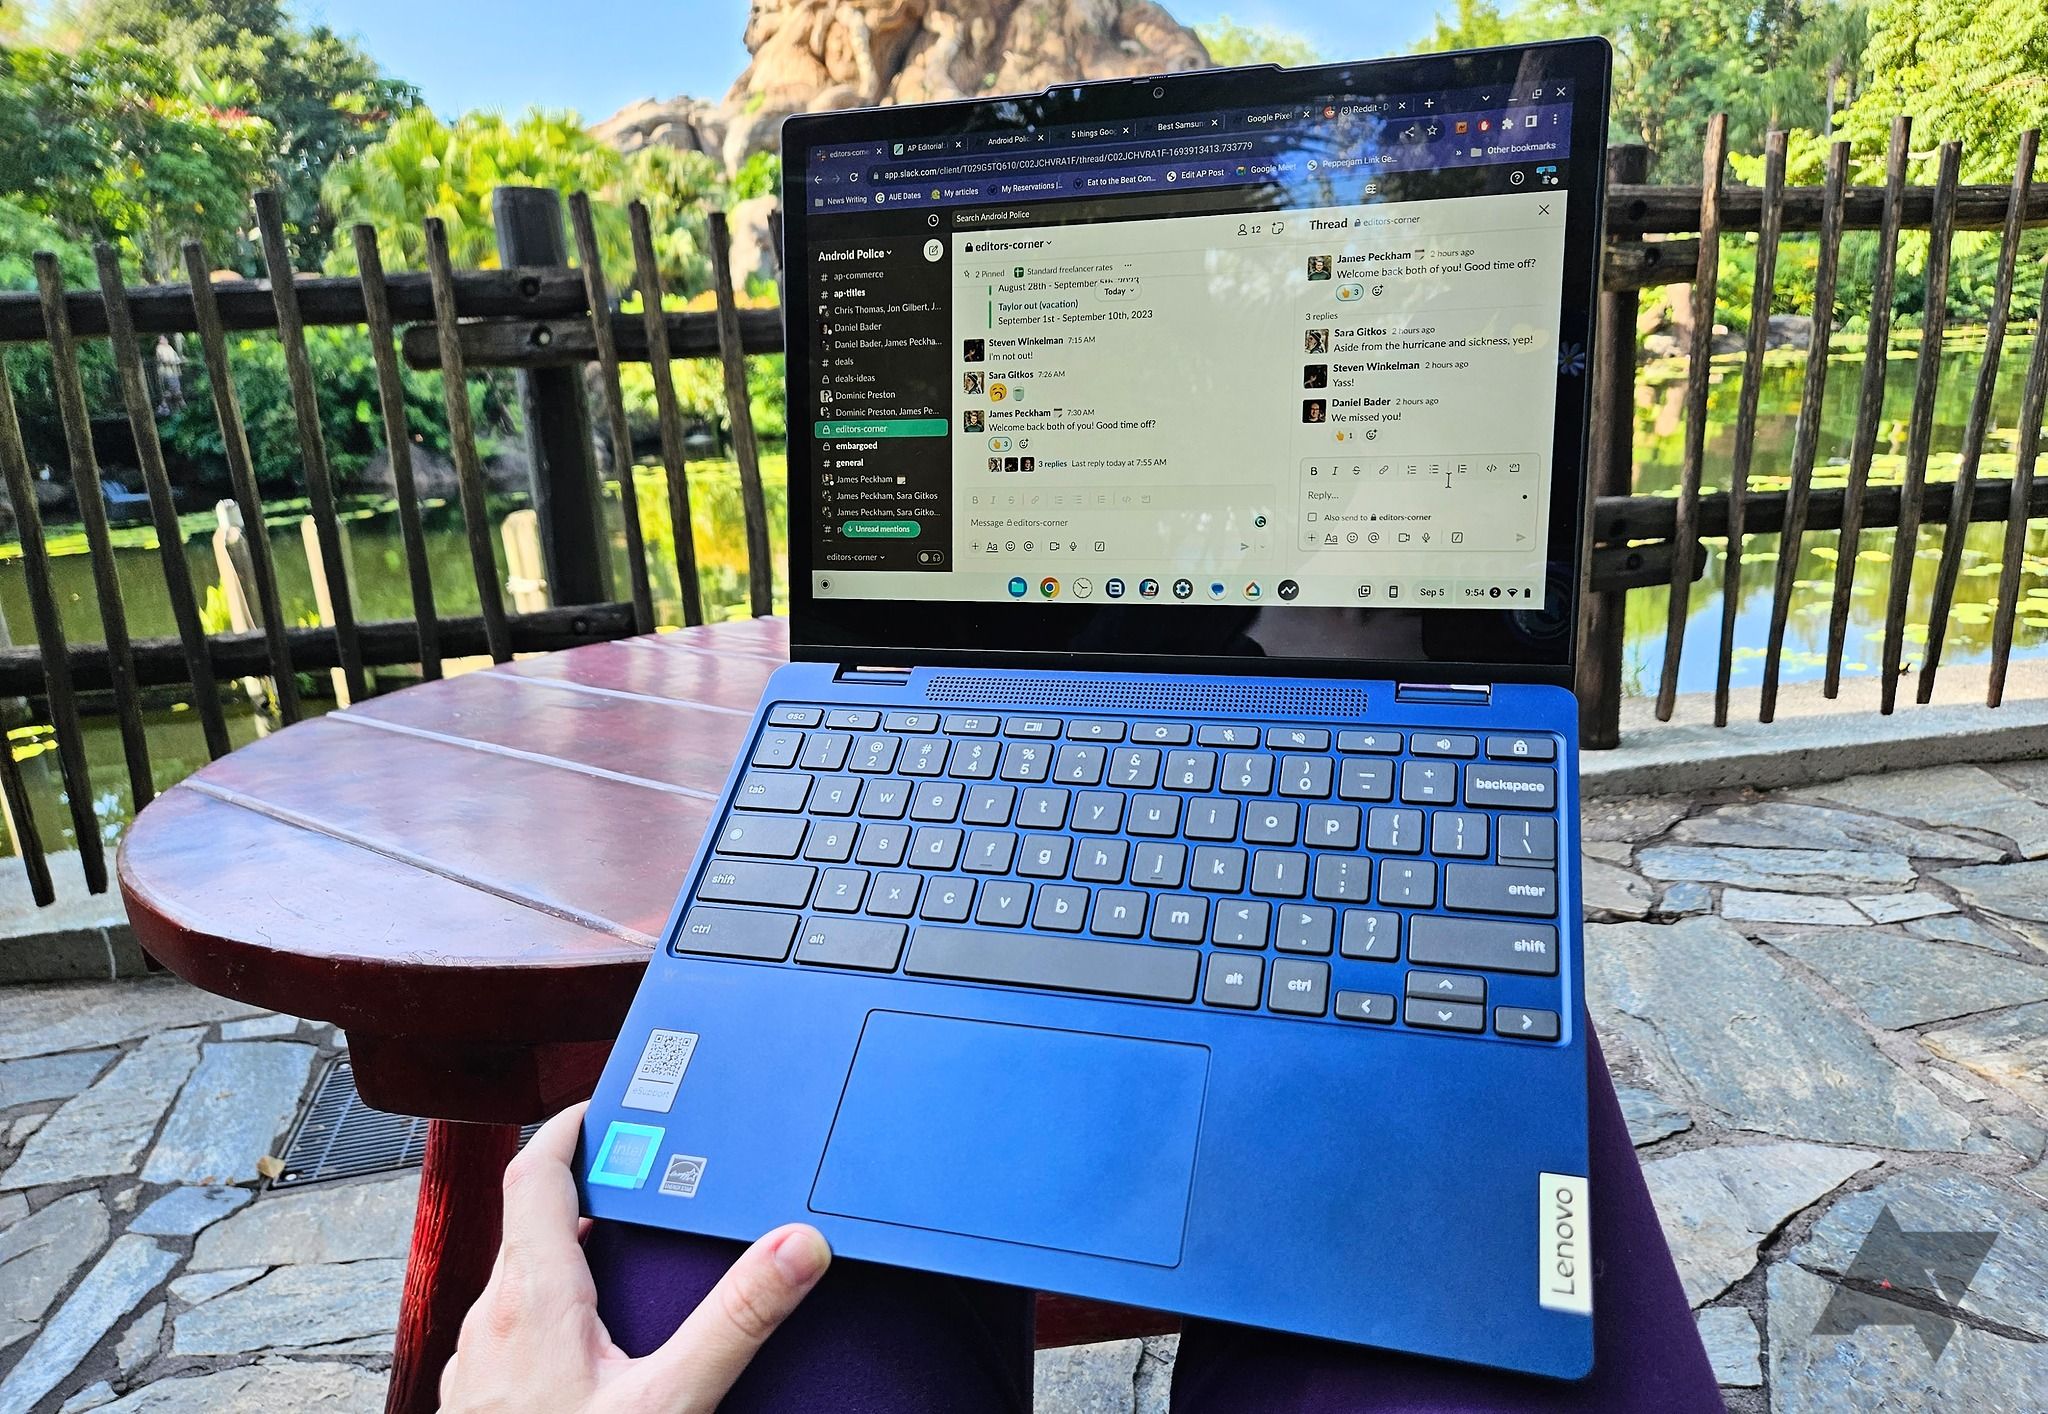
454	1241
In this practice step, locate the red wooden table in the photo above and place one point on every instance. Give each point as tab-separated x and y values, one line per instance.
467	877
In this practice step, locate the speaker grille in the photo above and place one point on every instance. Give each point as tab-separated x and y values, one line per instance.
1307	700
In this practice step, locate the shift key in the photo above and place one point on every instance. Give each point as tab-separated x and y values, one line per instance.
1437	941
1489	888
783	885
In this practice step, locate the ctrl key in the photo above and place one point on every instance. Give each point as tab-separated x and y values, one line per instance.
736	932
1300	988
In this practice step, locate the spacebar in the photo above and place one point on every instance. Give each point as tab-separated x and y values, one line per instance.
1164	974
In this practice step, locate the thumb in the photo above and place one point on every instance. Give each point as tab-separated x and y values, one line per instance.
696	1366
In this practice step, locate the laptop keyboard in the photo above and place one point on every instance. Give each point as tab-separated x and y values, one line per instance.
1343	874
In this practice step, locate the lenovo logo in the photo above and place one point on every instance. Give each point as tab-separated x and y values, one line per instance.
1564	1271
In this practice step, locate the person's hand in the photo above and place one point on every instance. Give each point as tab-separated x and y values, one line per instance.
533	1340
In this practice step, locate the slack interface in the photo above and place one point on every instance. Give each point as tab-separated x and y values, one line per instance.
1316	363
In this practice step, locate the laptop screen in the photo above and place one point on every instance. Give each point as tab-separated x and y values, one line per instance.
1250	342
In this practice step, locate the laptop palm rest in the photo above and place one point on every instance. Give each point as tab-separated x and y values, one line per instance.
1059	1139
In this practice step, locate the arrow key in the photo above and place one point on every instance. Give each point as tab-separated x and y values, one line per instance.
1444	1016
1447	987
1527	1023
1365	1006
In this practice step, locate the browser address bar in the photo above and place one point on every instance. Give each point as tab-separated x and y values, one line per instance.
1110	156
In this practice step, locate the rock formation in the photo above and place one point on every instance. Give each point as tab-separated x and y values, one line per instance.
811	55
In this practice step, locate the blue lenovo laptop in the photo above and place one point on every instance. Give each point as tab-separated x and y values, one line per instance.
1156	878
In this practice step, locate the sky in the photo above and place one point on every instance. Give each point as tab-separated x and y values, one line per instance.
596	56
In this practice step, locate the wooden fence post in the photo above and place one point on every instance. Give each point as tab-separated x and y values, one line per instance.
526	578
237	571
558	436
1611	472
323	600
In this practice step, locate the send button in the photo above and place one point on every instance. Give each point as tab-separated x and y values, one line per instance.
879	530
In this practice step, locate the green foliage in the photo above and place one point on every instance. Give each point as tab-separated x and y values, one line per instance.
759	175
323	98
105	145
351	420
1765	63
1232	44
718	520
1973	71
700	393
678	188
1472	24
424	167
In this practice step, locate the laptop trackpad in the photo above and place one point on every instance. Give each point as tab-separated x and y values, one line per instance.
1061	1139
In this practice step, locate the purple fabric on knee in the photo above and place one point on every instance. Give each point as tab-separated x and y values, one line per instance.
869	1340
878	1340
1647	1354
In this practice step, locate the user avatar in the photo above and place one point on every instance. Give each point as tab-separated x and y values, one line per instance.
970	382
970	350
1319	267
1009	463
971	420
995	463
1030	464
1315	375
1312	410
1316	341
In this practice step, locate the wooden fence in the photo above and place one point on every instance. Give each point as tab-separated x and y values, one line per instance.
1658	538
535	315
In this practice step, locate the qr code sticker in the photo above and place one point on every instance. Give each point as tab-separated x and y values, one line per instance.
682	1176
660	1071
667	1055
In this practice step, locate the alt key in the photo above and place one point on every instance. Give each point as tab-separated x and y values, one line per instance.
1525	1022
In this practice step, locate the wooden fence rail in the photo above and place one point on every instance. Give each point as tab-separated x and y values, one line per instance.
1636	533
535	318
550	320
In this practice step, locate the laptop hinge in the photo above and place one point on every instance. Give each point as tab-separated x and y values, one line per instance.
871	674
1464	694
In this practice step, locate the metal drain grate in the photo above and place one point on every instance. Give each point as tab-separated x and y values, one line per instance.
338	1136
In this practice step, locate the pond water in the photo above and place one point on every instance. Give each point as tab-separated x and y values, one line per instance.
1658	455
377	560
382	591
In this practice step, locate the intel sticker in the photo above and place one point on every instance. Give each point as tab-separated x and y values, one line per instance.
626	1156
662	1062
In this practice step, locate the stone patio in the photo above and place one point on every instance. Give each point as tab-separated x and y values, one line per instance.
1826	1009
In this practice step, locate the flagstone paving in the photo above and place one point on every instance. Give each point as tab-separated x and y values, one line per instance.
1826	1011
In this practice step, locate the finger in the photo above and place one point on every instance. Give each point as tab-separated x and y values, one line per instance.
699	1363
540	1223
